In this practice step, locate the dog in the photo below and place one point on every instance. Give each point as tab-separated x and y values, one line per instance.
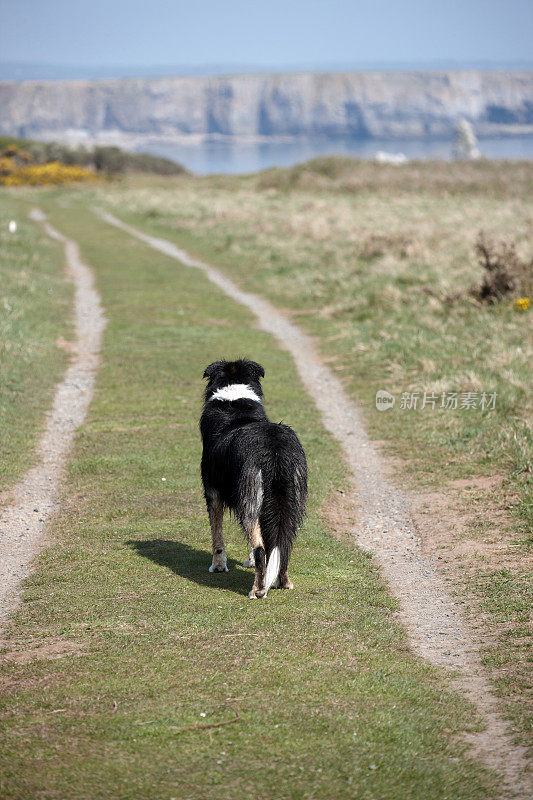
255	468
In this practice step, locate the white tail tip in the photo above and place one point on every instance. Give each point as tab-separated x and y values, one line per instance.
272	569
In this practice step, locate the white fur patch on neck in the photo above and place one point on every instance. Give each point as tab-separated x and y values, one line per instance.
235	391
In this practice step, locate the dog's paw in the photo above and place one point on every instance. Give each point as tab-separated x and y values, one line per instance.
286	585
256	594
219	565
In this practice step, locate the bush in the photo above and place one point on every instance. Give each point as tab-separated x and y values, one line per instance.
505	273
143	162
110	160
53	173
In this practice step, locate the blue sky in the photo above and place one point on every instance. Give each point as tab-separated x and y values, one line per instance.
271	33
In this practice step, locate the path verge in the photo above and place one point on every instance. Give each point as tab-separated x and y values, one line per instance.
22	523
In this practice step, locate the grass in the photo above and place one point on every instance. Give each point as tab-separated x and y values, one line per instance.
35	303
355	268
364	257
344	175
123	639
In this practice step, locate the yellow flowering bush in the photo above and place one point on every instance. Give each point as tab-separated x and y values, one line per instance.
53	173
522	304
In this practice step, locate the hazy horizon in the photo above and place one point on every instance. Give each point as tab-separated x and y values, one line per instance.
27	70
130	38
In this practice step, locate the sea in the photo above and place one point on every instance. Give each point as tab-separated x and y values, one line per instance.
225	157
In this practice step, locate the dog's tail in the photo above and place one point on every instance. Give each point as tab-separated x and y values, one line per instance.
272	570
284	503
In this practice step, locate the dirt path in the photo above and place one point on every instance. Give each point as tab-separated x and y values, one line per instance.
431	616
22	523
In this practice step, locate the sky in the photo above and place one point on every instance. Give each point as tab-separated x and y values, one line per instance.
271	33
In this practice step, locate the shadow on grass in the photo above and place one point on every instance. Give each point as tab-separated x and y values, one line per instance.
193	564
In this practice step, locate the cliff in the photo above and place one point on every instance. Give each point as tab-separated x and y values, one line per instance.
367	104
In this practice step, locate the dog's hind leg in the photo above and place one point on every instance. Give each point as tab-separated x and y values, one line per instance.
283	581
258	550
215	510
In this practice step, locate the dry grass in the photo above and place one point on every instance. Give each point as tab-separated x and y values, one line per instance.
431	177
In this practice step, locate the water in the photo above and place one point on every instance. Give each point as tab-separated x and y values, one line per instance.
237	158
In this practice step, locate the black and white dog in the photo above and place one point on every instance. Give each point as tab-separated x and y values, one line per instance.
255	468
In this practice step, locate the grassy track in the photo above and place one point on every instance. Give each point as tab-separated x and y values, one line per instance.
35	308
351	250
331	702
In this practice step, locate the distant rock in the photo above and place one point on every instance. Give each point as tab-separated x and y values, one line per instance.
383	157
465	146
254	107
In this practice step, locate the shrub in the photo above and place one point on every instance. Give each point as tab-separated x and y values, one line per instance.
143	162
110	160
53	173
505	273
114	161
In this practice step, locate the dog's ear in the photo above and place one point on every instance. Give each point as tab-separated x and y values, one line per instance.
212	368
257	370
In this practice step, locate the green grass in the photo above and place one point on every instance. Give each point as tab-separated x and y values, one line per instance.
351	250
332	703
35	310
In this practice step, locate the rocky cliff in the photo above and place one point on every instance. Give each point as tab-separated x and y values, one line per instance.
367	104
